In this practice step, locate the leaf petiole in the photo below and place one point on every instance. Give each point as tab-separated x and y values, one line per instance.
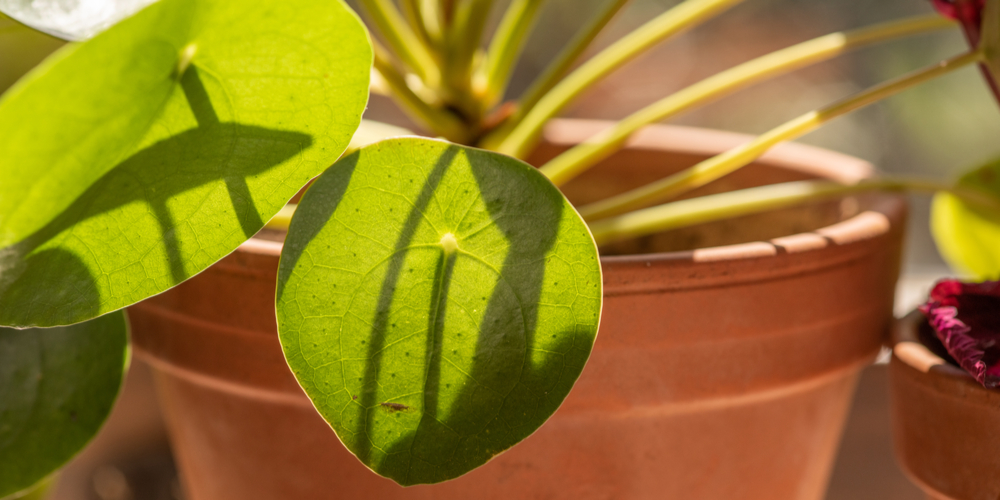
721	206
578	159
686	15
554	71
402	40
438	120
506	46
720	165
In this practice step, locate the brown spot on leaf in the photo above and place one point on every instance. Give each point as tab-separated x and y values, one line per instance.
394	407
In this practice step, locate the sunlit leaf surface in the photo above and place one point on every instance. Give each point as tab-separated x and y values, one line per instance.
437	303
134	160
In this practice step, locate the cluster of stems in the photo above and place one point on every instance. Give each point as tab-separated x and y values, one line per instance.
432	62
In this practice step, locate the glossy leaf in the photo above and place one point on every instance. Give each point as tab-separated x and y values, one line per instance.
136	159
436	303
968	234
57	386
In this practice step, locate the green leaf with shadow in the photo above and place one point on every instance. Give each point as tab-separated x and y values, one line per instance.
135	160
968	234
437	303
57	386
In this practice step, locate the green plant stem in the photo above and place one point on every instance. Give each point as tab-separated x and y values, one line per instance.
727	162
438	120
578	159
684	16
710	208
283	217
404	43
554	71
506	46
447	10
432	20
462	42
412	11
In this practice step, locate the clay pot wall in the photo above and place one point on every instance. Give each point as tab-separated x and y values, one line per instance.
945	425
719	372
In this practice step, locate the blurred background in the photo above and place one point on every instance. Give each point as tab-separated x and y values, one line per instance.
939	129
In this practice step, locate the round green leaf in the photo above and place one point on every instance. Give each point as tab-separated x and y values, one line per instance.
968	234
134	160
437	303
57	386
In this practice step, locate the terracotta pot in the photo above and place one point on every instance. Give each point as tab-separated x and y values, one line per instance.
722	372
946	426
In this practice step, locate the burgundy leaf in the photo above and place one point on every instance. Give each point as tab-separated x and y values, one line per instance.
967	12
966	318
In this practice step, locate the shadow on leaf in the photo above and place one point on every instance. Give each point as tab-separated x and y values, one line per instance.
388	289
153	177
512	396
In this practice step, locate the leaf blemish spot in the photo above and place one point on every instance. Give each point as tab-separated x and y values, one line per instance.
394	407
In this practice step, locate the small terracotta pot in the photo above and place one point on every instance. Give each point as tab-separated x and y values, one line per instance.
945	424
722	372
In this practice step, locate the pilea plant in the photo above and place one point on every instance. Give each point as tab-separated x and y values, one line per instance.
437	298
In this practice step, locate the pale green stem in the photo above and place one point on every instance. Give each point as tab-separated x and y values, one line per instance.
578	159
414	16
721	206
554	71
431	19
440	121
506	46
447	12
463	39
283	218
402	40
686	15
727	162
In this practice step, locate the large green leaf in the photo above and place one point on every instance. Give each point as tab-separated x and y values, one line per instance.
968	233
132	161
436	303
57	385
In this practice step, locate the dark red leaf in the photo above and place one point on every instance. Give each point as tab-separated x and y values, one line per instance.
968	12
966	318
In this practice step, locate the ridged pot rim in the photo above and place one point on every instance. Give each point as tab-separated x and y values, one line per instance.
676	139
908	349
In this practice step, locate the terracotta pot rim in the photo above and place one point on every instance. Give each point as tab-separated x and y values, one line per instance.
839	167
907	348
